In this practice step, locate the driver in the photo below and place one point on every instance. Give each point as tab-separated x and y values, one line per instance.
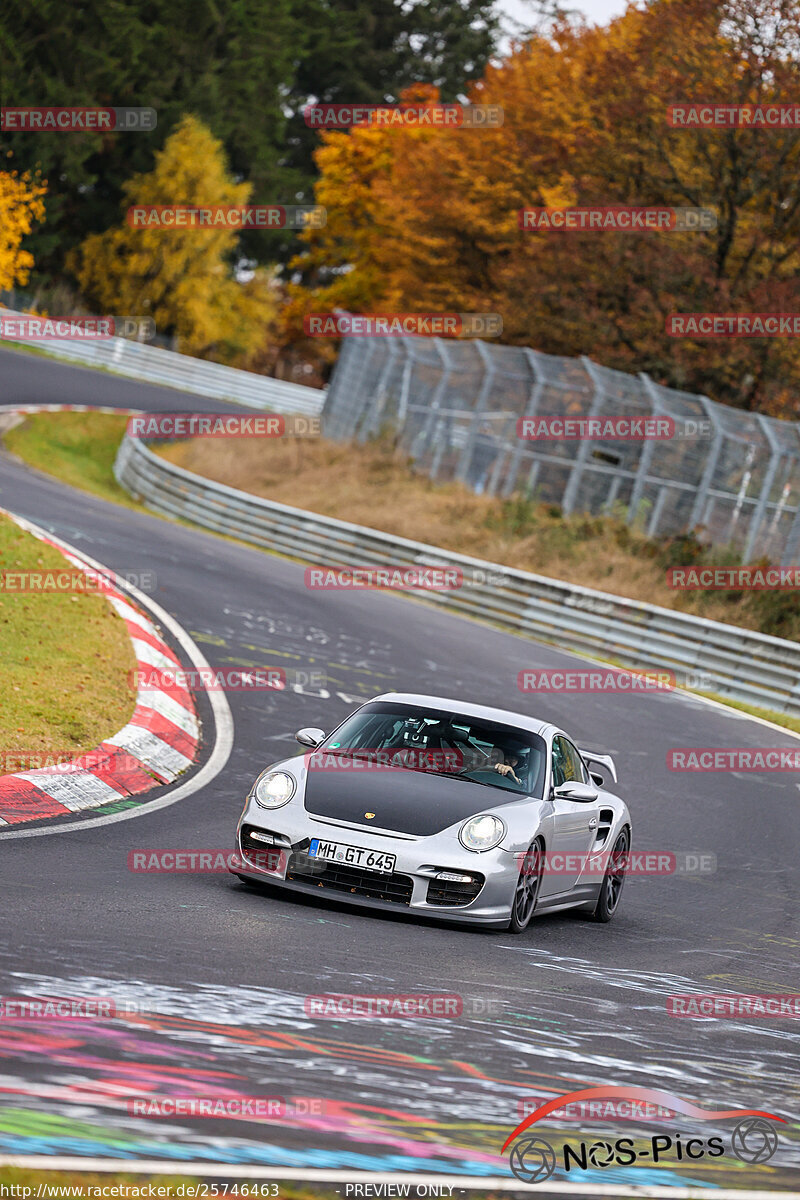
512	758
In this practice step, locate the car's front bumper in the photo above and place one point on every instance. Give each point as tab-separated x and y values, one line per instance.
418	860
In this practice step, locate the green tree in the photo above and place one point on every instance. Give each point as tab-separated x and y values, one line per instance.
370	51
230	63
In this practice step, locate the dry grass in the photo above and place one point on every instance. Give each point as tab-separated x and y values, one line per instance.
372	485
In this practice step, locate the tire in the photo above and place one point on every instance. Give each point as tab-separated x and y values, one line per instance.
613	881
526	892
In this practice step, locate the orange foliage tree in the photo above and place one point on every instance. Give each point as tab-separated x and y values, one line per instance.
422	219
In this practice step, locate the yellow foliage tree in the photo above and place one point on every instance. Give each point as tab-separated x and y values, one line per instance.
21	205
182	277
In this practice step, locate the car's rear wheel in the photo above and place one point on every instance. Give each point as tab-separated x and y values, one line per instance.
526	893
613	880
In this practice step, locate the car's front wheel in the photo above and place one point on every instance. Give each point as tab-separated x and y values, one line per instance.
526	893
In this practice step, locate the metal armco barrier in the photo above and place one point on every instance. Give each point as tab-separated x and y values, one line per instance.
153	365
742	664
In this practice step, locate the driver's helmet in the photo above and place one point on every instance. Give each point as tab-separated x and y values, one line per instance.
518	750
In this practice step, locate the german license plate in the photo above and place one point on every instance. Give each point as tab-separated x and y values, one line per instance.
353	856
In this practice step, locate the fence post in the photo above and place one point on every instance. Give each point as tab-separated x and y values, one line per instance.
426	433
531	408
710	467
373	424
646	456
573	483
462	471
769	478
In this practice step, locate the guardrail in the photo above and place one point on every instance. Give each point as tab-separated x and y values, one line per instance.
151	364
742	664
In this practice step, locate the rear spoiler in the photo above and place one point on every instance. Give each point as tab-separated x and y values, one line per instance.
602	760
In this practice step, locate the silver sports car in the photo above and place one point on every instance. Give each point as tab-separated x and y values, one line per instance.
450	810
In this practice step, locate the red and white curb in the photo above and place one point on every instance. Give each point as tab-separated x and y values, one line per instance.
29	409
157	745
12	415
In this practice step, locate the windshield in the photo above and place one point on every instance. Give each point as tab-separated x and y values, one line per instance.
443	743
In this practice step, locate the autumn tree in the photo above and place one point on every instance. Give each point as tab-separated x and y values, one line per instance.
230	64
21	206
432	219
182	277
245	68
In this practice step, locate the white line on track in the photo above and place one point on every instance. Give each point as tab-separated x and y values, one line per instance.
502	1183
223	718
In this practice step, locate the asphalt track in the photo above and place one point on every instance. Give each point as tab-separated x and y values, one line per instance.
220	973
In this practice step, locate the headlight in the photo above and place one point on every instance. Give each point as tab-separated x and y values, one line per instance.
482	833
274	790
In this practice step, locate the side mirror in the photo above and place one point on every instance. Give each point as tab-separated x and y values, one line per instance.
573	790
310	736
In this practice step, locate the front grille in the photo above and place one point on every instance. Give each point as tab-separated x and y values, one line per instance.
445	892
341	878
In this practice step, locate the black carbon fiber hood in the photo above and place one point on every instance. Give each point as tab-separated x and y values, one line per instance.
406	801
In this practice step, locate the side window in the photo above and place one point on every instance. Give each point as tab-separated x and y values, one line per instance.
567	763
559	762
575	770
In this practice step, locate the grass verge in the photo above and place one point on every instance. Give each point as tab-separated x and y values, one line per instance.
78	448
66	662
